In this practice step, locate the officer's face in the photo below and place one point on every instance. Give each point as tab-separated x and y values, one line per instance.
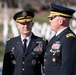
25	28
55	23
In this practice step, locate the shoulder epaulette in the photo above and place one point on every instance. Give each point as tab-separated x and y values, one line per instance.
70	35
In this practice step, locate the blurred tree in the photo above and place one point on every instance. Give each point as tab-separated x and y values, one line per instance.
39	3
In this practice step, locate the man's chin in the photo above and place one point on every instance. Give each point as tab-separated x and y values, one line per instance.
27	33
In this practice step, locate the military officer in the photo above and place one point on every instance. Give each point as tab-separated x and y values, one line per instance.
60	55
24	57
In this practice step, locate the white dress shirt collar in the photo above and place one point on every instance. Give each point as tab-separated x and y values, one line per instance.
28	39
61	31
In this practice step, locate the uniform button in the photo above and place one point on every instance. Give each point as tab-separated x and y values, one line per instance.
11	56
44	60
53	53
54	59
45	53
44	74
36	55
44	67
23	69
23	62
51	50
38	62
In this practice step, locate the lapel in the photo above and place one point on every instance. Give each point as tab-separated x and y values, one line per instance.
57	37
18	44
32	44
52	40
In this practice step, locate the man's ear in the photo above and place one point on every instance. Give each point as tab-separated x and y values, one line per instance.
60	21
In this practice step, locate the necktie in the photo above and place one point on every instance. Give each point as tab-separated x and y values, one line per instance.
24	46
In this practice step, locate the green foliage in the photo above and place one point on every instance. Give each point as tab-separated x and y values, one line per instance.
28	7
1	28
2	47
41	17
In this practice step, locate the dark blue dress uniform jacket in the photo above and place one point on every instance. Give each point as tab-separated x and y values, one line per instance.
18	63
60	55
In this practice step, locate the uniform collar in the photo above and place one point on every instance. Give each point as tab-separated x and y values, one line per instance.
28	39
61	31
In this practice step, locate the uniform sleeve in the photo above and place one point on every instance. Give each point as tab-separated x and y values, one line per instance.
7	66
68	56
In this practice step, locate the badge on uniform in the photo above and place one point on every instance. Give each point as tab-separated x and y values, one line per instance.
55	48
33	62
38	48
56	45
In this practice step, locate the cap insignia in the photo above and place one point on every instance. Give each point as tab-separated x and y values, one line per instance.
24	14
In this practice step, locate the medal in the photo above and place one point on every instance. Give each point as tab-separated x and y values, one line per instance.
33	62
44	60
58	51
14	62
54	59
